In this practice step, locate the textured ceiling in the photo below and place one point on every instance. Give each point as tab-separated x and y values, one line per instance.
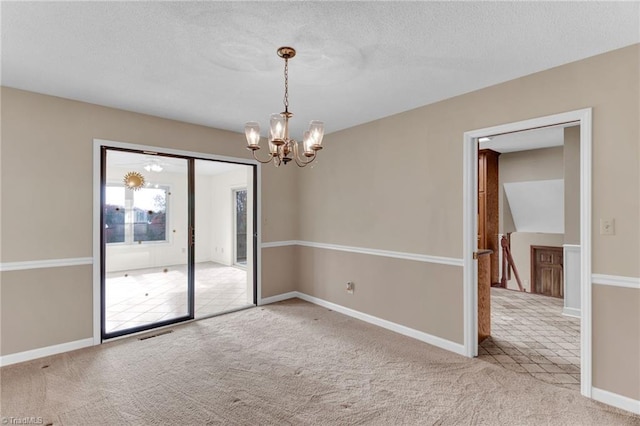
214	63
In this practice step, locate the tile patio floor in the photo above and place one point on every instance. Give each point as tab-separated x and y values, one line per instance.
529	335
144	296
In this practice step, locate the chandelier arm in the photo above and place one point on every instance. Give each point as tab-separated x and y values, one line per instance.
300	161
259	160
304	163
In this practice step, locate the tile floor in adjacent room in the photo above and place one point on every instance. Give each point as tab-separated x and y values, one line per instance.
143	296
529	335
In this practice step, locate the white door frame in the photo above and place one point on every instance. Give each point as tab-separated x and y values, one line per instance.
97	144
470	229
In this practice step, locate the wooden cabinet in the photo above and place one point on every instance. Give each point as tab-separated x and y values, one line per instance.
546	271
488	208
482	240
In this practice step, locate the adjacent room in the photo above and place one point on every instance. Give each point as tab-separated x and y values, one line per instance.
386	213
148	228
529	221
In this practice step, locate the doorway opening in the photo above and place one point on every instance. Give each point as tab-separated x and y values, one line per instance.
529	213
507	285
166	236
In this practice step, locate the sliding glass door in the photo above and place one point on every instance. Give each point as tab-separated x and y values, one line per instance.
146	238
178	239
225	237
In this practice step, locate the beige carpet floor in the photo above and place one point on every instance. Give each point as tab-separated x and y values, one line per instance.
290	363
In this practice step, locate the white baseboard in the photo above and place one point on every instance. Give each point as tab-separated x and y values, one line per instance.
410	332
618	401
46	351
278	298
571	312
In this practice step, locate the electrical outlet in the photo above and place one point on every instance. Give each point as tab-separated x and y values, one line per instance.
350	287
607	226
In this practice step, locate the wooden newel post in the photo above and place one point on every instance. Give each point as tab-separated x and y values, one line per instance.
507	262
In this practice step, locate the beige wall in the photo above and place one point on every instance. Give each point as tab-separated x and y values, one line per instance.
524	166
279	270
396	184
571	158
392	184
45	307
397	290
616	340
46	178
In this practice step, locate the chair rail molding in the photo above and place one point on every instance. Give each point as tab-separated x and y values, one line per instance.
453	261
616	281
45	263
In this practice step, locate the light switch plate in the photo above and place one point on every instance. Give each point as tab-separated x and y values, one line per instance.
607	227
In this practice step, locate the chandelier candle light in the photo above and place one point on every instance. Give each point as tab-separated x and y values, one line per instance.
282	149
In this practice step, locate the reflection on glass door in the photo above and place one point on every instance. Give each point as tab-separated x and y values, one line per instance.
146	218
240	225
224	237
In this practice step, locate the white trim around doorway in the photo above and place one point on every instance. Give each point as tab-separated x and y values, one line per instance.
97	144
583	118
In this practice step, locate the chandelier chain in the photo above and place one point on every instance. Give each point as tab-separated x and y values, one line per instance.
286	84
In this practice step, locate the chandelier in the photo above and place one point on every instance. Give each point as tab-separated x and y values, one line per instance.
282	149
153	166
